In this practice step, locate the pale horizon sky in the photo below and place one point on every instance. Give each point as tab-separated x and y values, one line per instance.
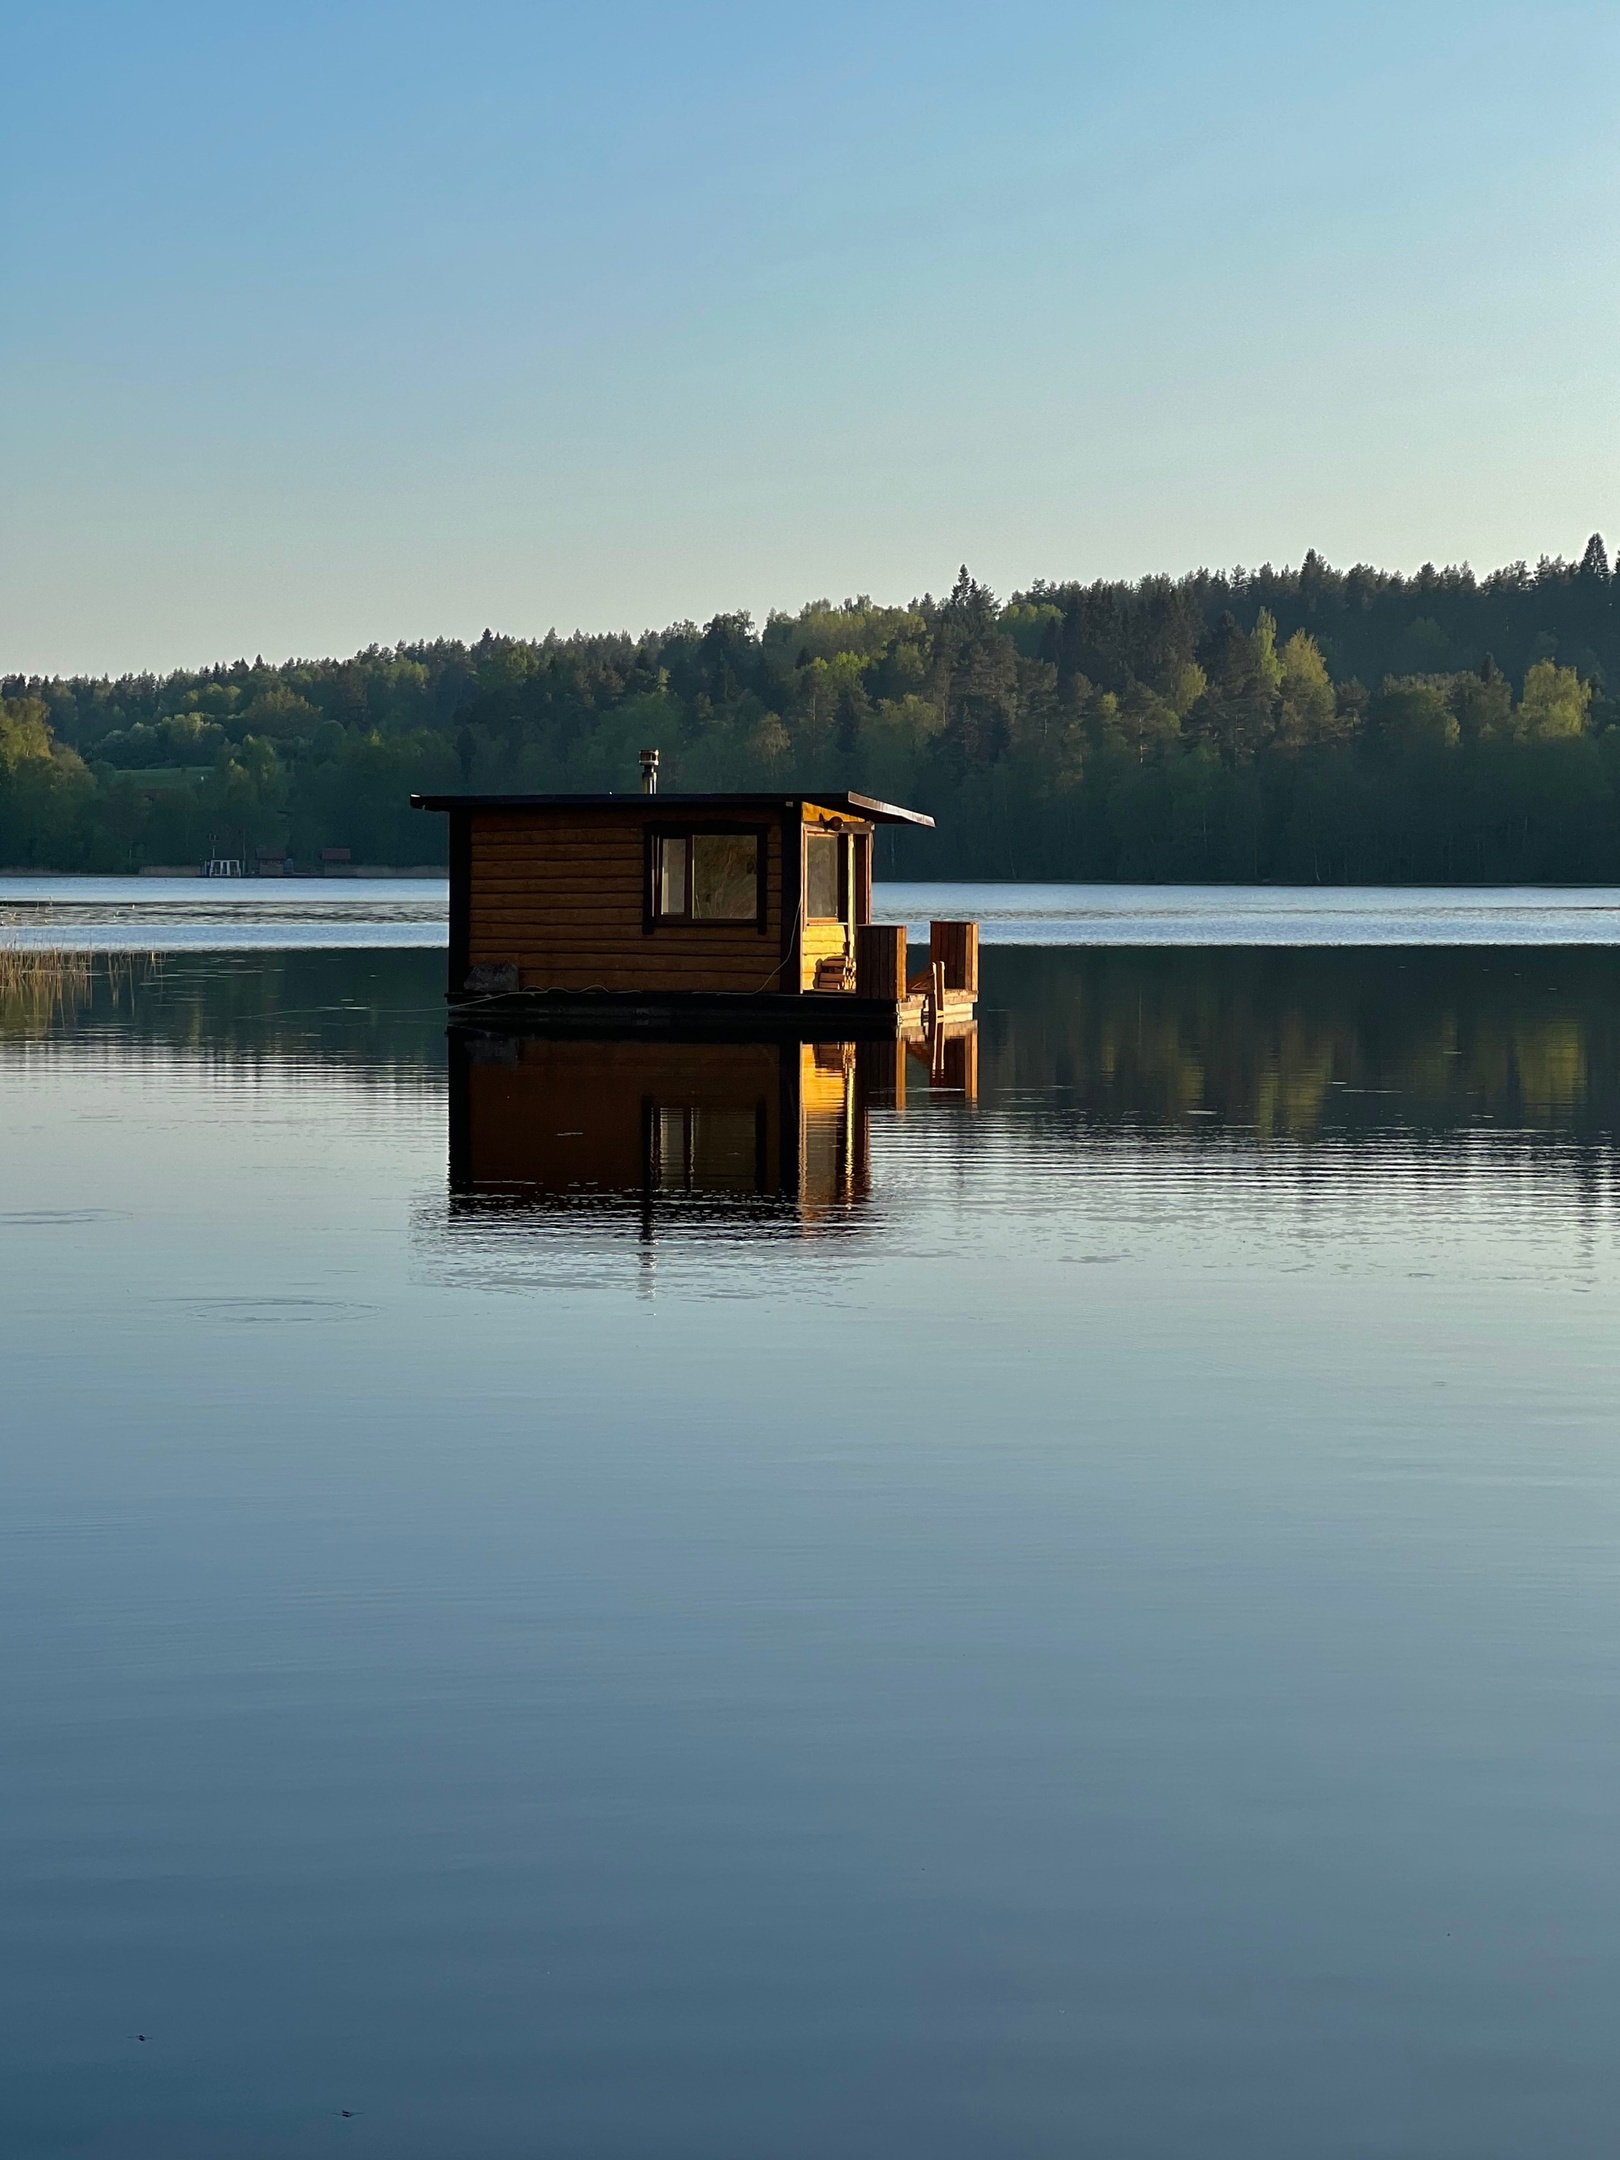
325	325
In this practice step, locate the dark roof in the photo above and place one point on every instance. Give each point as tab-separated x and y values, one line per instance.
859	806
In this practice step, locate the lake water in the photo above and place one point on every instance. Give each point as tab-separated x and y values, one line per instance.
654	1603
181	914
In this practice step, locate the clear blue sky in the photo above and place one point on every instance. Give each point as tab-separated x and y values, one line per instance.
326	323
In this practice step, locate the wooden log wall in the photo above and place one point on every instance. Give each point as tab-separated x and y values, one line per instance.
562	898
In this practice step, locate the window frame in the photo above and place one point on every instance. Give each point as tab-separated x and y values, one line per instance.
708	829
841	878
844	839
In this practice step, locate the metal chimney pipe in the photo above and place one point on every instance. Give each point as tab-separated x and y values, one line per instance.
649	772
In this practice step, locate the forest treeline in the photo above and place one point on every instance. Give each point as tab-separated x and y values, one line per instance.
1305	724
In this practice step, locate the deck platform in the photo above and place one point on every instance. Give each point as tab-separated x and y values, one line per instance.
803	1016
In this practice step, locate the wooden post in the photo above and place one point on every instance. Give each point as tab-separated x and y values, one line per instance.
461	853
880	961
955	946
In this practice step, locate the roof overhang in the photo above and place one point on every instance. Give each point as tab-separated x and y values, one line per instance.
845	801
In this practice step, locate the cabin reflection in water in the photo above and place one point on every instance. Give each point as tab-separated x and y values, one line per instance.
557	1121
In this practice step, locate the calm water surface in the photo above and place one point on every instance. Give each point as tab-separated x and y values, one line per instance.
1076	1616
194	914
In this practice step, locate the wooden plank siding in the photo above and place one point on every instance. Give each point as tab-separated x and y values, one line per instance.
821	941
564	901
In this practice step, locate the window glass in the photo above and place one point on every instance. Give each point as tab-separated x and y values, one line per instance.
671	877
821	877
725	877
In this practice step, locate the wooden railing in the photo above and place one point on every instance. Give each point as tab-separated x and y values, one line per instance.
955	947
953	961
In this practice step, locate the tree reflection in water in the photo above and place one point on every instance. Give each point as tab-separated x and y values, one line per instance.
1294	1044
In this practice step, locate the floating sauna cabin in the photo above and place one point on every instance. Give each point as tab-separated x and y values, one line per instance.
662	908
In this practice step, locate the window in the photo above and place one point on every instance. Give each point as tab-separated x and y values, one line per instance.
710	877
671	899
821	880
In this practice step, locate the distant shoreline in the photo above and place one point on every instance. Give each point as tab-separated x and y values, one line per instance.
371	871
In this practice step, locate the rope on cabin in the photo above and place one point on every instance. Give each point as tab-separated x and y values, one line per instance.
498	997
786	957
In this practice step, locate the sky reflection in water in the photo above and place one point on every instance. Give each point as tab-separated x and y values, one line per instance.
138	914
1078	1613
